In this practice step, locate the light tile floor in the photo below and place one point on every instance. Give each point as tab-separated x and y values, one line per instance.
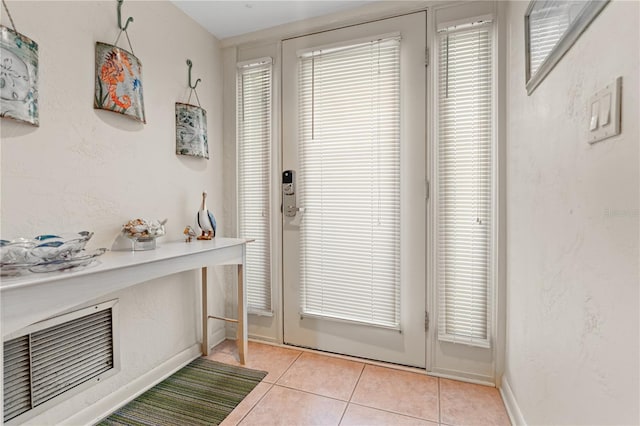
310	388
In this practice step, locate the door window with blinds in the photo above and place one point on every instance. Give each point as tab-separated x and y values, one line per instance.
254	163
349	185
465	184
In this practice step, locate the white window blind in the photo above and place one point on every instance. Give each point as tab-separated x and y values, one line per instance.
547	25
464	175
254	165
349	152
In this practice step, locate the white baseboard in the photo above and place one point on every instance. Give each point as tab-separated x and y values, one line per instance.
91	415
515	415
463	376
217	337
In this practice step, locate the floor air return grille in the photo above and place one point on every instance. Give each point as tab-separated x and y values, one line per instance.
56	356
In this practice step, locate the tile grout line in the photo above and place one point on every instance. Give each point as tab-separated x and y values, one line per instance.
352	392
271	385
357	382
287	369
437	421
398	413
439	404
309	392
365	361
354	403
348	401
363	365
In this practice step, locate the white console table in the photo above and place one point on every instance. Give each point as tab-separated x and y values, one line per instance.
37	296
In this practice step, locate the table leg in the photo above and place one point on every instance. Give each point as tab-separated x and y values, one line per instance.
205	315
242	331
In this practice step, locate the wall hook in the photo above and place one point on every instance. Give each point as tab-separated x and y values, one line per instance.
129	19
190	64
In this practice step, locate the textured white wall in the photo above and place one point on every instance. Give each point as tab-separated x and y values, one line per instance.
86	169
573	267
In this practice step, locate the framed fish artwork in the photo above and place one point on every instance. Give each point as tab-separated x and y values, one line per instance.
191	131
118	82
18	77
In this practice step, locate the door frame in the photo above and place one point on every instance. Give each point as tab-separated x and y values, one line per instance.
262	43
459	13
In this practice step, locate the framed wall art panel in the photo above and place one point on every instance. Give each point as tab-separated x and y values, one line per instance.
18	77
551	27
191	131
118	82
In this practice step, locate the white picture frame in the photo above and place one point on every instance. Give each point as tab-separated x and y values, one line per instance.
551	27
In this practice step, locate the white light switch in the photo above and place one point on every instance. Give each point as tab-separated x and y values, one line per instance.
605	110
595	114
604	120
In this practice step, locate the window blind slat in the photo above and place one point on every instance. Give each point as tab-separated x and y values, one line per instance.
464	186
254	165
547	26
349	155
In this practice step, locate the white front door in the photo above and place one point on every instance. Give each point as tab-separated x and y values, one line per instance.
354	126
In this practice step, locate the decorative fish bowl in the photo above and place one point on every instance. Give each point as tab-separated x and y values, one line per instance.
66	246
17	251
46	253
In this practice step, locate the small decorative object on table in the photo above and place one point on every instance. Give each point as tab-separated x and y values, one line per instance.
189	233
206	220
144	233
46	253
65	246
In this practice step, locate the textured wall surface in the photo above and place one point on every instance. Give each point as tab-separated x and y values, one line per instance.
573	231
86	169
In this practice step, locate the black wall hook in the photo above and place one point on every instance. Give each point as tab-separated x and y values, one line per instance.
129	19
190	64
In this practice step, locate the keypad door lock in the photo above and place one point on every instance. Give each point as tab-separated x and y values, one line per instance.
289	194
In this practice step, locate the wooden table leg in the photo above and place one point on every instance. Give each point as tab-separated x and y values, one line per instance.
205	315
241	333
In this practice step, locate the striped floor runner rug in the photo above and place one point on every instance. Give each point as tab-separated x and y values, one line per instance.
202	393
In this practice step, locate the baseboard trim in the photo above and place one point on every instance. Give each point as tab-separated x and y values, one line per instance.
510	402
461	377
217	337
102	408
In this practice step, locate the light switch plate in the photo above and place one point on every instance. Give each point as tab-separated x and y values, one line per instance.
604	112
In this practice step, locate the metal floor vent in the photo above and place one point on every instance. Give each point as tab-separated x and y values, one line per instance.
57	355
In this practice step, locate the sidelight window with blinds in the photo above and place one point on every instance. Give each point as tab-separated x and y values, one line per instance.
348	182
465	184
253	176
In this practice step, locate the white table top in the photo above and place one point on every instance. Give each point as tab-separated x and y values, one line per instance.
113	260
36	296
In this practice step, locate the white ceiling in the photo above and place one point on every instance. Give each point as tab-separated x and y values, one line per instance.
235	17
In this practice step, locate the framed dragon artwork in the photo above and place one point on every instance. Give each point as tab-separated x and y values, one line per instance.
118	82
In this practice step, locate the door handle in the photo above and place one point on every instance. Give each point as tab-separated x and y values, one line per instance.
291	211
